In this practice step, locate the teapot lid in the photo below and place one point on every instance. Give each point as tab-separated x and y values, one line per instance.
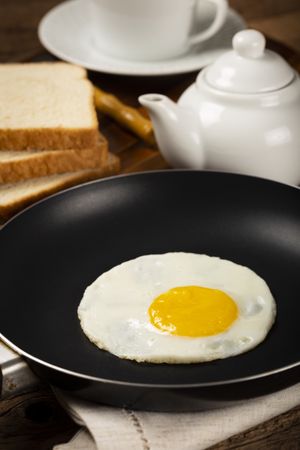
249	68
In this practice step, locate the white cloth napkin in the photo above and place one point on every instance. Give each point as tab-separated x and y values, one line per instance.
109	428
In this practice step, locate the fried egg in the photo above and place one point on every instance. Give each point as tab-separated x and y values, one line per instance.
177	308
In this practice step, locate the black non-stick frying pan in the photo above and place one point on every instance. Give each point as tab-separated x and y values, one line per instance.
51	252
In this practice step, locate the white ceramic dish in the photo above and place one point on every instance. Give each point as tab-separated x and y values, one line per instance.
65	32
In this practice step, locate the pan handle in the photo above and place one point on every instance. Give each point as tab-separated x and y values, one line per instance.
15	375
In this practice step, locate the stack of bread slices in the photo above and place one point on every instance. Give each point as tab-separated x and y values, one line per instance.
49	133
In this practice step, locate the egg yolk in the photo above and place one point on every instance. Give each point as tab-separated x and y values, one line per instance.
193	311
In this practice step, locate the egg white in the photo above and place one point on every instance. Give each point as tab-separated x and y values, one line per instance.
114	309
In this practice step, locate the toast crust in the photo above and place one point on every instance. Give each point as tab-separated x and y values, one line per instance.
111	167
45	163
49	138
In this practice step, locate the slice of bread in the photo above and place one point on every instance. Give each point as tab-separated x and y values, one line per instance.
16	196
23	165
46	106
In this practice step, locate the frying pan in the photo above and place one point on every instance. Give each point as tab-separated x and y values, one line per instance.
52	251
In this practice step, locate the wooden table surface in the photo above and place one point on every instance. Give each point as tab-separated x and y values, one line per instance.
34	420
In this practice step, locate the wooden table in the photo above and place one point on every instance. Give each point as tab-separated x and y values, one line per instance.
34	420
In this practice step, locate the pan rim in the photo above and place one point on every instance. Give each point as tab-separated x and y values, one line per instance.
145	172
146	385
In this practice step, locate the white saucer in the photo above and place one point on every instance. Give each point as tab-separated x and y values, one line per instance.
65	32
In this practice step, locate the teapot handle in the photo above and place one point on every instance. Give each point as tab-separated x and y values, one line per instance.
219	19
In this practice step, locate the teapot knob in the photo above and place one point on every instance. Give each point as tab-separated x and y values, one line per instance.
249	43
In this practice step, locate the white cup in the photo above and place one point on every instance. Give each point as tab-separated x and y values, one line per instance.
149	30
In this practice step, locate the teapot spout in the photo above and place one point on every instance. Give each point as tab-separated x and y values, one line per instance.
176	130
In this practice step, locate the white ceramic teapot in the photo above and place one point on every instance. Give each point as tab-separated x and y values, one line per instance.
241	115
